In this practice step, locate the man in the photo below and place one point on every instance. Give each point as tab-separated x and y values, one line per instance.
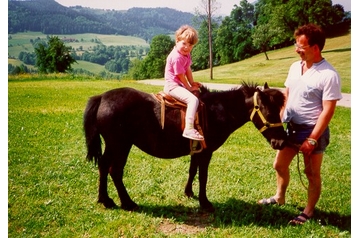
313	88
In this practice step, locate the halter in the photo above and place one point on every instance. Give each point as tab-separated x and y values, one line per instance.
264	121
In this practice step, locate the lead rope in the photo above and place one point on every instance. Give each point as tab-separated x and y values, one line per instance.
299	171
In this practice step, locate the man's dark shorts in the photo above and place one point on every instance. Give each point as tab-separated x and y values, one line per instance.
297	134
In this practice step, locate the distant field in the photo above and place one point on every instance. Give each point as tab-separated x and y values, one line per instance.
21	41
92	67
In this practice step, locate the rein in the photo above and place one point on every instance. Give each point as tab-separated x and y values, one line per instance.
298	165
257	110
299	171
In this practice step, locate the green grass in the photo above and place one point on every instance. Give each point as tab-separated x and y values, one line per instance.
91	67
52	189
21	41
274	71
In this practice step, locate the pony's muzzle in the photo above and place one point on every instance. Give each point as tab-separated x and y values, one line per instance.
277	144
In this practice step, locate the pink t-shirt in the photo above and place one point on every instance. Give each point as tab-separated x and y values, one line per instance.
176	64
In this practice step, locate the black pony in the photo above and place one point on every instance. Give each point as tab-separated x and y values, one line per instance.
126	117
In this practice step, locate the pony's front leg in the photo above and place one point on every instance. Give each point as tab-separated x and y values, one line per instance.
204	160
192	173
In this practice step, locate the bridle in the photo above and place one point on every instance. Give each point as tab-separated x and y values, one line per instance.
266	123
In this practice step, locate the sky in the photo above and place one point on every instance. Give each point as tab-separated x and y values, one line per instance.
181	5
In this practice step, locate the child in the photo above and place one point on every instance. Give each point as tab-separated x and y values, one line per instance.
179	81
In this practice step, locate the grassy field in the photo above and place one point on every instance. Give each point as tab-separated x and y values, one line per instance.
52	190
21	41
274	71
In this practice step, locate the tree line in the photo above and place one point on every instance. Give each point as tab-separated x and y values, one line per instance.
51	18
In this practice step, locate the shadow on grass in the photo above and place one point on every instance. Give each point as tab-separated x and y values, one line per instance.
239	213
337	50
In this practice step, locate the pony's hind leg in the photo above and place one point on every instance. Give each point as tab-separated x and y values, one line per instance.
103	168
116	171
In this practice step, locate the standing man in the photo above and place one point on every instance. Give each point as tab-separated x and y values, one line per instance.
313	88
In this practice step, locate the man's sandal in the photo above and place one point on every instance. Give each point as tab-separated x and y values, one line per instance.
268	201
299	221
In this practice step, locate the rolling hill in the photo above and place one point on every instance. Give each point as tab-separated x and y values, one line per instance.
49	17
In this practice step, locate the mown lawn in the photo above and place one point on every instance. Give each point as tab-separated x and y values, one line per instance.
52	189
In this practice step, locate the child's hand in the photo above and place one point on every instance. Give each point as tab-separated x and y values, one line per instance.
195	87
197	84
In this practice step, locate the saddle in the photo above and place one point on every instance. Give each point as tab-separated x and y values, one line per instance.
199	122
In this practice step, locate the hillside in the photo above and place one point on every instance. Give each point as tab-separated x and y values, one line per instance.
337	51
274	71
49	17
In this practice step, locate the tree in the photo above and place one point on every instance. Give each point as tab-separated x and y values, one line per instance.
209	6
286	16
233	39
154	64
53	56
200	53
263	37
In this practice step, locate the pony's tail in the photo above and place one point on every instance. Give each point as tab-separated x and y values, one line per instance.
93	139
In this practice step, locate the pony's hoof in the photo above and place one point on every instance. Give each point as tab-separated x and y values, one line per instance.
189	194
108	203
131	207
207	208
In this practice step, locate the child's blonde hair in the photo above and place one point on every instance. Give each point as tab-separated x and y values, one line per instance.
187	33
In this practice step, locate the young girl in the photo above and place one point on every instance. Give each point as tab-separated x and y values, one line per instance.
179	81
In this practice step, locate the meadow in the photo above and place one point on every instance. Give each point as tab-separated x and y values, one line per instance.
337	51
52	189
22	41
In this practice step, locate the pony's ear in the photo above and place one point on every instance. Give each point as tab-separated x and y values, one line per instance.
266	85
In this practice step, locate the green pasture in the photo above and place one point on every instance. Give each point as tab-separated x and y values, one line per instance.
21	41
274	71
52	189
91	67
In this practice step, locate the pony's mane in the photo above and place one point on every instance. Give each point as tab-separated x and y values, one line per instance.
248	88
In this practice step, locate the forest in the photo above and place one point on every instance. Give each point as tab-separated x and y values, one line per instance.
248	30
49	17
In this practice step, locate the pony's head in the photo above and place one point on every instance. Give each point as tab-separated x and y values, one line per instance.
265	113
